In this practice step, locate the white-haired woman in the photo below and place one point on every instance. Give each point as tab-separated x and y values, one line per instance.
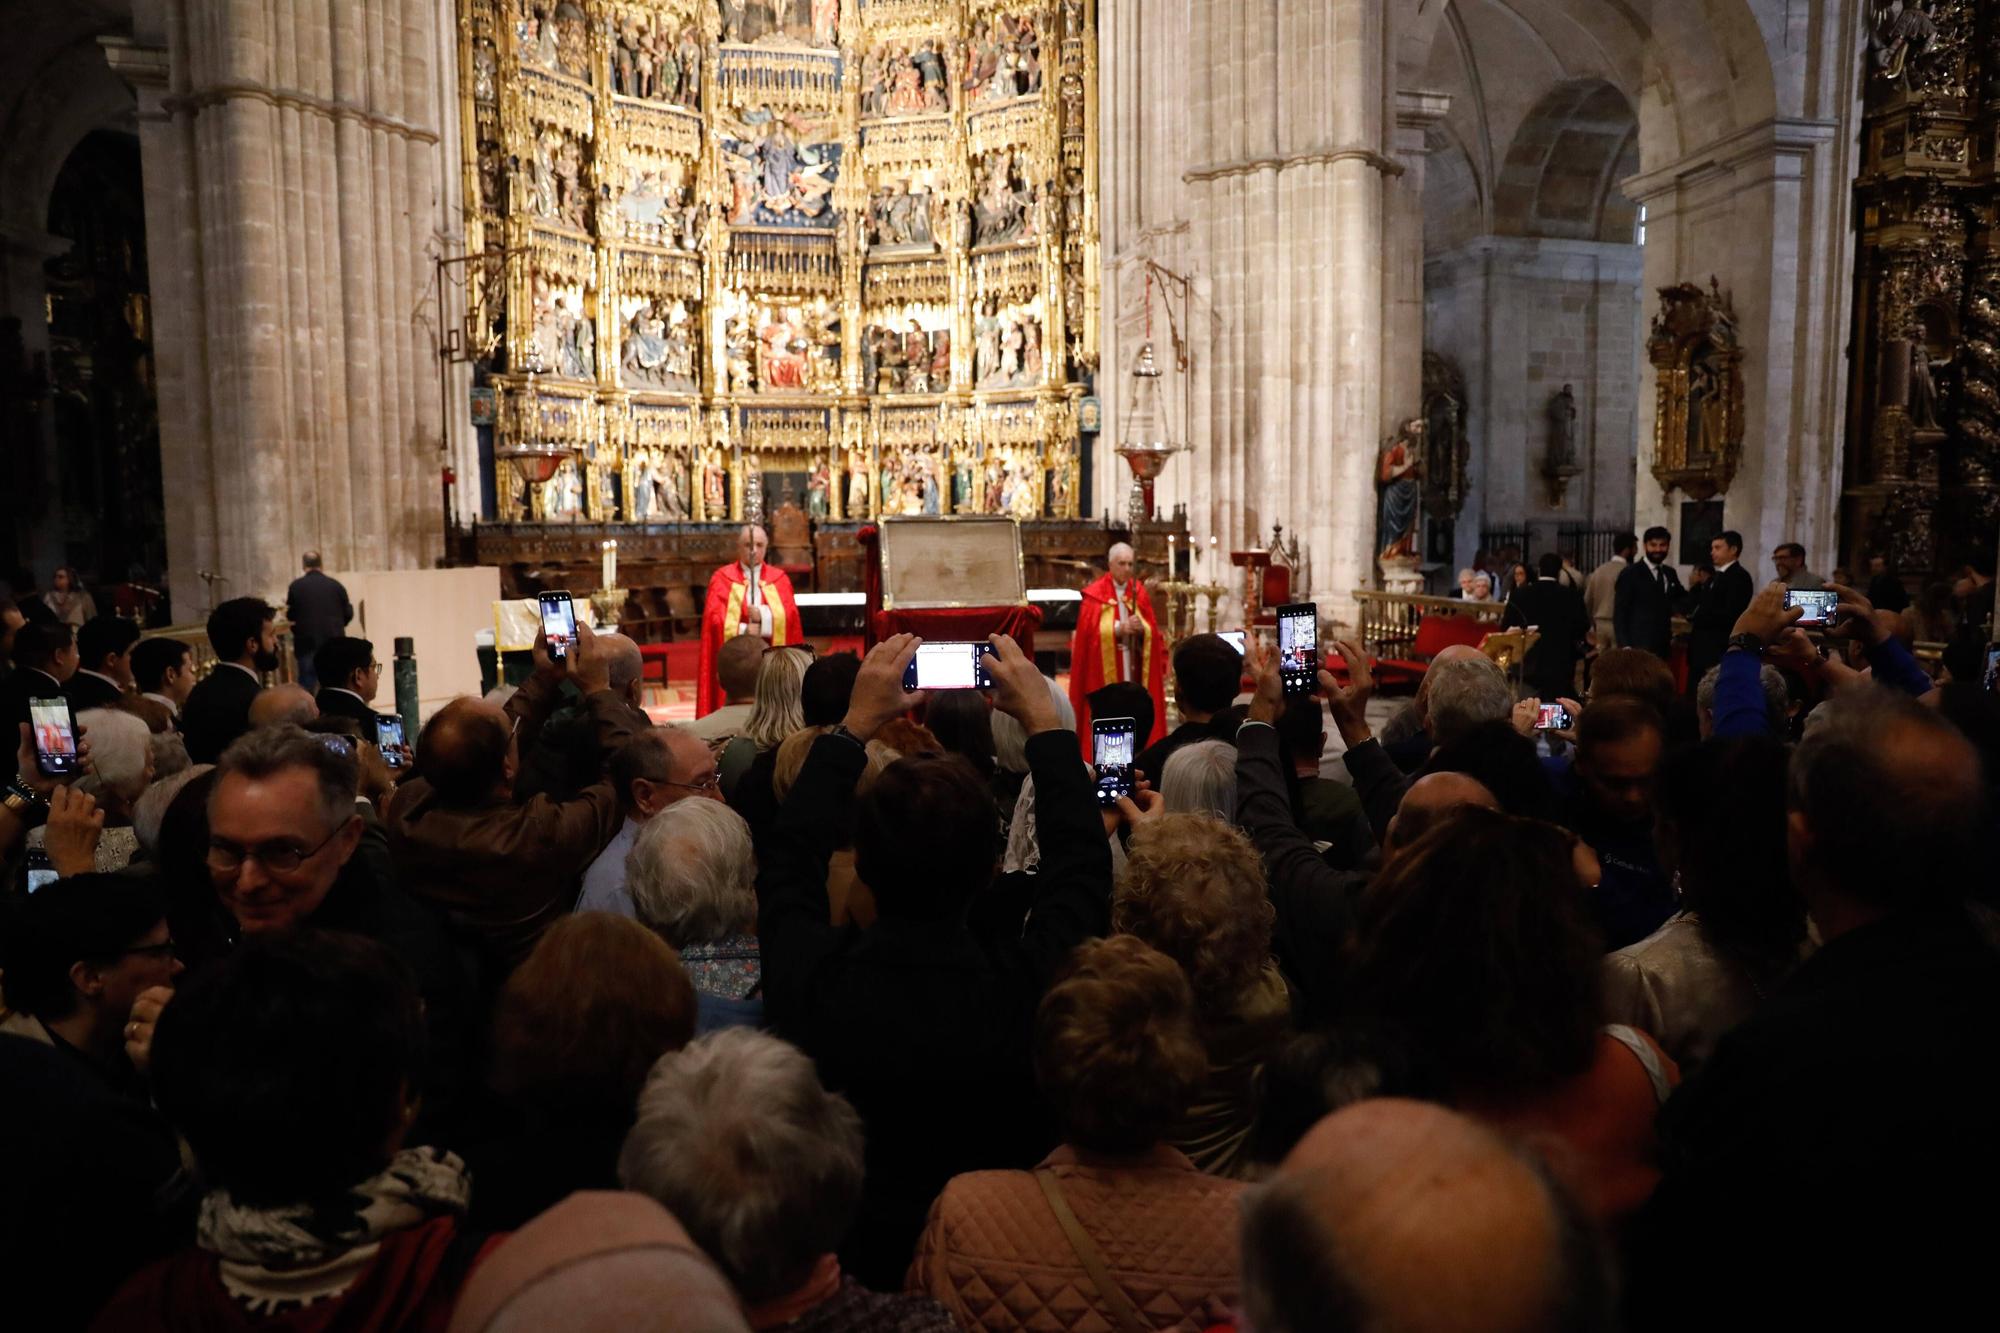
774	714
692	874
1200	779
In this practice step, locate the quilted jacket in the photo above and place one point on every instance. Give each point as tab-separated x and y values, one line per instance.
996	1257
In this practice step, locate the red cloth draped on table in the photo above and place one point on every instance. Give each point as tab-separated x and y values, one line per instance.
1095	659
954	624
730	603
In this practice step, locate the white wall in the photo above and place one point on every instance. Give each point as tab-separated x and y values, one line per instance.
442	609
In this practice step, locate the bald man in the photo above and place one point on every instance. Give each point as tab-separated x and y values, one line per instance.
1117	639
504	867
1429	799
282	704
746	597
1400	1215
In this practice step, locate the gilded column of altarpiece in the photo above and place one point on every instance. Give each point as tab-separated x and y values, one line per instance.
848	245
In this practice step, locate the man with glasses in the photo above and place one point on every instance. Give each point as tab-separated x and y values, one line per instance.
349	677
747	596
289	848
658	768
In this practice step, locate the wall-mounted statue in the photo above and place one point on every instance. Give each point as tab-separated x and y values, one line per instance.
1003	60
782	169
904	79
1698	416
1559	458
1007	352
899	218
1447	445
781	22
658	349
1005	210
1399	473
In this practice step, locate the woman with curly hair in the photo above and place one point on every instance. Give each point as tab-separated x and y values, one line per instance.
1194	889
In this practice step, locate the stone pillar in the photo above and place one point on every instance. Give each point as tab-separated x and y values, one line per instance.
292	170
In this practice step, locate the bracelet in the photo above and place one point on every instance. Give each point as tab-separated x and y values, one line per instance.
20	801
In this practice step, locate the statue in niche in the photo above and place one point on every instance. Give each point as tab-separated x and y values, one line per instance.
822	337
572	41
535	36
657	351
1899	30
687	59
781	362
485	72
782	22
1399	472
1008	354
714	485
961	485
857	484
1003	61
639	506
781	170
940	360
1027	499
1562	431
986	343
1003	212
673	491
1059	490
899	218
740	355
1923	388
562	494
916	359
818	484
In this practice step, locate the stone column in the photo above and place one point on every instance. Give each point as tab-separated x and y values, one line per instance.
292	170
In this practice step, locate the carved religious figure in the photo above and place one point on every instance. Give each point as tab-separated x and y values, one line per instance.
1003	212
562	494
1562	430
857	484
1901	28
673	490
782	170
639	505
1698	419
1923	388
655	354
1399	472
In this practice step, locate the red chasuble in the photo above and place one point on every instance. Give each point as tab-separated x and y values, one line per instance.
1094	658
728	596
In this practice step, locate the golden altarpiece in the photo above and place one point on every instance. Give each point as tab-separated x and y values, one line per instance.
843	247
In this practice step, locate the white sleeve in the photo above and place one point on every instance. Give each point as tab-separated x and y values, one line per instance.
764	619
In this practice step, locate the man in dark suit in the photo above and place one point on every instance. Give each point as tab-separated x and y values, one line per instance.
104	649
318	609
1643	603
1207	674
245	638
1714	620
44	657
1557	611
349	676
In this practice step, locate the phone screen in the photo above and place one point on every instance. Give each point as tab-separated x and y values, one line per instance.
1552	717
55	736
1993	668
558	623
339	744
1234	638
949	666
1111	754
389	738
40	873
1298	647
1819	606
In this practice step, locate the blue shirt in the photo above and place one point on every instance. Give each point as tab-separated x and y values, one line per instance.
604	882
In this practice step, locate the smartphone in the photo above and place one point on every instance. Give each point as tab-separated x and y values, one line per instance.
1820	606
1234	638
41	872
1993	668
558	623
1298	647
341	745
55	737
1552	717
1111	753
949	666
389	738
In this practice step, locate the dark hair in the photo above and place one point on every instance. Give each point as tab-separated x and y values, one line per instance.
1117	1052
152	659
1890	826
85	917
37	643
235	623
925	837
826	687
1625	541
1635	674
1476	945
1208	672
340	657
461	751
647	755
1615	720
105	636
1302	728
961	721
1125	698
286	1064
1792	549
1658	534
1551	564
1733	540
1505	763
1721	827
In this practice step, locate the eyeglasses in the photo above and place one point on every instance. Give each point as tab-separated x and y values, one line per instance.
710	783
279	858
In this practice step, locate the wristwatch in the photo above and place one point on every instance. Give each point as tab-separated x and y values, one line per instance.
841	729
1749	643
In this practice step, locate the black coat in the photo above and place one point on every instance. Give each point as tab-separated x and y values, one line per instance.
1559	613
1152	760
87	691
218	711
1844	1130
925	1027
346	703
1642	610
318	608
1714	620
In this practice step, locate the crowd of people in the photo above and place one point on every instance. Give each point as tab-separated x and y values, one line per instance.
855	1008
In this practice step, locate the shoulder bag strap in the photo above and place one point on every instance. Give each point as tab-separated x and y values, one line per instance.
1648	1058
1113	1295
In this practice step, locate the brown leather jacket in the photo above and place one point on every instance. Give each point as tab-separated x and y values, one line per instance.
505	870
995	1256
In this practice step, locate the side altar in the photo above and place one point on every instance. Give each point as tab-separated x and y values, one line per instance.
728	254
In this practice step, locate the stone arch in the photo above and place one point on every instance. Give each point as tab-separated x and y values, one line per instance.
1559	176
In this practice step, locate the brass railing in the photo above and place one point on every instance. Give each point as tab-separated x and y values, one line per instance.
1389	619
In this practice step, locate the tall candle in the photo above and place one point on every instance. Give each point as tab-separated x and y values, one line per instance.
610	565
1212	566
1172	571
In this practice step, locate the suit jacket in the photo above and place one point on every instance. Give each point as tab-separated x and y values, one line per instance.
1729	594
318	608
21	685
87	691
218	711
1599	594
1558	611
336	702
1642	613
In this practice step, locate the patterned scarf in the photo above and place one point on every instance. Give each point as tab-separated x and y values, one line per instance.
294	1254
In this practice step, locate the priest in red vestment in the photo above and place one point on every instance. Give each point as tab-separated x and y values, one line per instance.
1117	638
746	596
